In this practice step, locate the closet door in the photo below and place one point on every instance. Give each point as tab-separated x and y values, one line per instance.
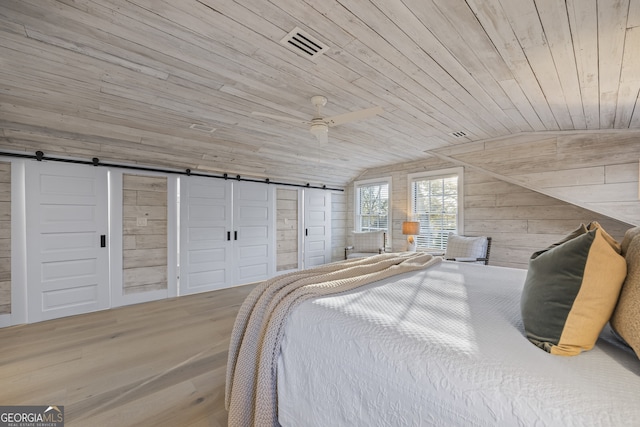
317	227
67	257
205	235
289	224
254	231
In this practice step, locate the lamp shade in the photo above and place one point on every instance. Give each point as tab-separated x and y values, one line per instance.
411	228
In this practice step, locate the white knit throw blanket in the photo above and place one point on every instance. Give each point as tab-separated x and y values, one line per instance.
250	394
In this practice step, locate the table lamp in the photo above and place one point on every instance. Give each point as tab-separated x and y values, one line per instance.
411	229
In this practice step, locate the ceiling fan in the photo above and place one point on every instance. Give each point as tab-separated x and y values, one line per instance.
319	126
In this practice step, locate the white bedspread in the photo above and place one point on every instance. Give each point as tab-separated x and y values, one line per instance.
444	346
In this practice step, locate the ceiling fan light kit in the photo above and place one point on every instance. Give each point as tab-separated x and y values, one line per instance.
319	126
320	130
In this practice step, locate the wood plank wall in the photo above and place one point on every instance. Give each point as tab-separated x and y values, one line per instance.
598	172
520	221
5	238
287	229
145	246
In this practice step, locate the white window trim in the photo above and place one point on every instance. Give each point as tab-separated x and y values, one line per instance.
434	174
382	180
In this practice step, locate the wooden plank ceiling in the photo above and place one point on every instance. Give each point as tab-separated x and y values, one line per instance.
124	80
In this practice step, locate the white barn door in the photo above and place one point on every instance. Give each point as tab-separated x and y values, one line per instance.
254	231
317	227
67	257
205	235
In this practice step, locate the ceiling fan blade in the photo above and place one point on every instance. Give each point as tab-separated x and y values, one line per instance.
353	116
282	118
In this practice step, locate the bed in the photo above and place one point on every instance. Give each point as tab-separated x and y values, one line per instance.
441	345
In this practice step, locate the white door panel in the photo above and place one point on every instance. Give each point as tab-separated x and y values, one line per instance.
227	233
253	231
255	226
67	269
205	244
254	193
254	251
317	223
252	272
252	212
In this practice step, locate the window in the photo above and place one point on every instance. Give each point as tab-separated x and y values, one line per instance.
372	205
436	201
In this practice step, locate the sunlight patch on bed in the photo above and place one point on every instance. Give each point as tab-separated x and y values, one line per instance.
438	310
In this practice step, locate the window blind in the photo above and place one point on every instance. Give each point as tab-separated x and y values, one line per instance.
373	207
435	204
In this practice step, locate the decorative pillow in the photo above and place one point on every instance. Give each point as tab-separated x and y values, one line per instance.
575	233
626	317
368	241
465	247
571	291
628	237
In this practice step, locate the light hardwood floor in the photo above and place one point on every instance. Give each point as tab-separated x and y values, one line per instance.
155	364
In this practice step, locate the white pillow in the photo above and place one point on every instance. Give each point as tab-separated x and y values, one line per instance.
368	241
465	247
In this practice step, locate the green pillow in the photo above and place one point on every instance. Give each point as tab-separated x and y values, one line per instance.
571	291
575	233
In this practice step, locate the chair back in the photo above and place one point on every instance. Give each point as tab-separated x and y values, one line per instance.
468	248
366	243
486	257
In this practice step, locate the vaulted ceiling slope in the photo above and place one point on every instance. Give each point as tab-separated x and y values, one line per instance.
125	80
597	171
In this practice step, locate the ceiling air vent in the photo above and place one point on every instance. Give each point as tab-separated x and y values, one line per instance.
304	43
202	128
458	134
